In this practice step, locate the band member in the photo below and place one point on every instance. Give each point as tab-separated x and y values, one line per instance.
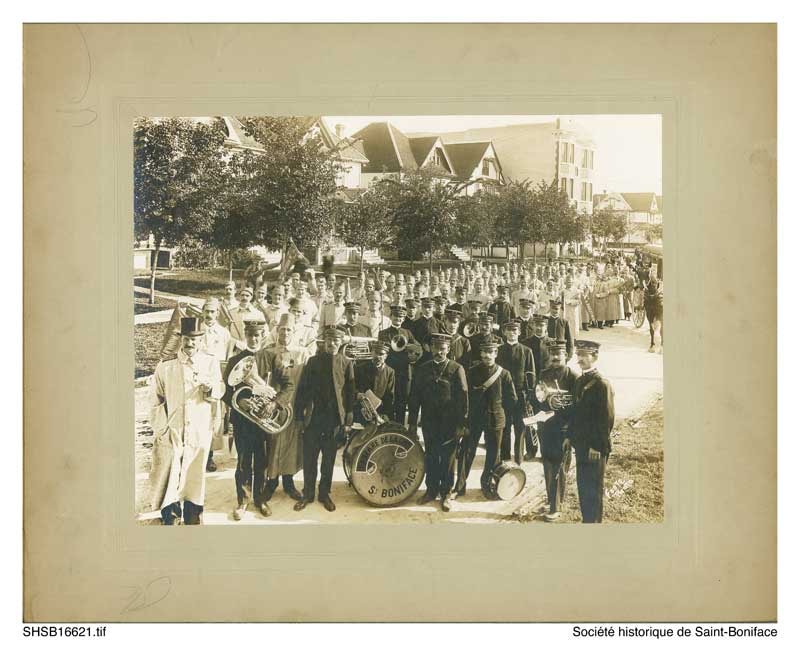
518	360
378	377
326	394
460	302
502	309
558	328
460	348
285	449
351	325
527	323
308	308
439	305
412	311
246	311
426	325
183	395
229	299
538	342
250	439
591	418
217	342
277	307
398	360
572	304
553	432
491	398
482	336
439	388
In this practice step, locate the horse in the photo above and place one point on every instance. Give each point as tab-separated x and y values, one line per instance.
654	311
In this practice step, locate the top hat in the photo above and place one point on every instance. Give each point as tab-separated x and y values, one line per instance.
190	326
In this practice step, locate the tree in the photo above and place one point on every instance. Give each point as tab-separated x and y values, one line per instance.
475	220
366	222
178	171
288	190
423	208
608	225
653	232
572	227
515	217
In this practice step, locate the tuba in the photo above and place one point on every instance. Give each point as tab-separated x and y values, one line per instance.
552	397
263	411
470	328
357	347
399	343
369	407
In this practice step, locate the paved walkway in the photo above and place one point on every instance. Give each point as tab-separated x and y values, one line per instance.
162	315
637	377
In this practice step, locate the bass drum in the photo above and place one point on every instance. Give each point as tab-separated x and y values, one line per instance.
508	481
384	464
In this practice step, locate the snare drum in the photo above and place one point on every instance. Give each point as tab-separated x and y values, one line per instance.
508	481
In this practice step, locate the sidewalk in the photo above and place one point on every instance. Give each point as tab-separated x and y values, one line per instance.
635	374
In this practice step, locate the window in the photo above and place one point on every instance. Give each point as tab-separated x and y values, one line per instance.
486	170
590	193
583	191
591	159
563	184
572	188
585	158
572	153
565	152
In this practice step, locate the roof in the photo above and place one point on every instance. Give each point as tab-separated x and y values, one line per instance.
598	198
378	145
658	202
640	202
466	156
421	147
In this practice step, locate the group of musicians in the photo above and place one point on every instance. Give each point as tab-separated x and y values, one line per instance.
456	355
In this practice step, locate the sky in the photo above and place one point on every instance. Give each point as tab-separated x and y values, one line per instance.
628	157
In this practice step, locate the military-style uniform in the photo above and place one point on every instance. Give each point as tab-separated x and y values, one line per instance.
381	381
518	360
440	390
559	329
502	311
423	328
460	350
475	343
538	345
398	361
590	422
552	434
487	416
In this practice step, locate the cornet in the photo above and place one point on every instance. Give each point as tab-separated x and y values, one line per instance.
262	410
554	398
357	347
470	328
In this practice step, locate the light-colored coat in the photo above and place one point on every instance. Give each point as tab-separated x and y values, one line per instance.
182	417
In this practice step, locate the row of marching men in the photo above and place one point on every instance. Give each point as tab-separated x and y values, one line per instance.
322	385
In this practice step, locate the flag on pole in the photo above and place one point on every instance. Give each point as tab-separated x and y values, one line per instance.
172	337
291	256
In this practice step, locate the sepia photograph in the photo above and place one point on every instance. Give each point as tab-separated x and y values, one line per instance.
410	319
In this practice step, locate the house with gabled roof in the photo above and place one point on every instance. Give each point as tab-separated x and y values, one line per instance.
641	211
391	153
476	161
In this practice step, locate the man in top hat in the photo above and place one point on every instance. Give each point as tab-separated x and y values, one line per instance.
552	432
538	342
398	359
378	377
351	325
251	440
518	360
460	348
285	449
558	328
439	389
502	309
491	399
482	336
183	395
590	420
326	395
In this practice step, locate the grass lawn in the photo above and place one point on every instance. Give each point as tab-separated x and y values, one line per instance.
634	475
141	304
147	340
191	282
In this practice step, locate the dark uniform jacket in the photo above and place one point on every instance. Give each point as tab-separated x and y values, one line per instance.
591	417
316	381
518	360
397	361
357	329
538	345
441	391
408	324
487	406
525	328
380	381
423	328
558	329
502	312
460	350
551	432
475	342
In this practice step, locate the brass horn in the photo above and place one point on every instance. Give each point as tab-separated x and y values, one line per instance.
470	328
399	343
357	347
553	397
262	410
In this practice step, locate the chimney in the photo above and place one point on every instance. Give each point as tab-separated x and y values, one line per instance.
340	130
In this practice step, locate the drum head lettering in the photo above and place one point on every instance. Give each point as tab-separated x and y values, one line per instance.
388	469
